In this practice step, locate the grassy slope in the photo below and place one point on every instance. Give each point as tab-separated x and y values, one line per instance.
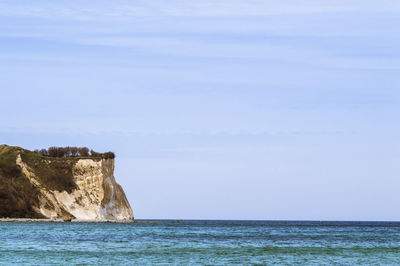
54	173
17	195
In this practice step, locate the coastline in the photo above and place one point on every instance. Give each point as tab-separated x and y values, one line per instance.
29	220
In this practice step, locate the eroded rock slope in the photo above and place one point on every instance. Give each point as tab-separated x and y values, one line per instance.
34	186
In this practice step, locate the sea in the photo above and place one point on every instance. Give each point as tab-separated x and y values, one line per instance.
202	242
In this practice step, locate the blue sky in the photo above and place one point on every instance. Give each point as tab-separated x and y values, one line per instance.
215	109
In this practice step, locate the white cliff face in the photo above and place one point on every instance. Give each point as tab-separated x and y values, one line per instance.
114	205
84	202
97	196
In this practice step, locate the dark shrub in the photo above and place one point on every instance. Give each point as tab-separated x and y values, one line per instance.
95	154
108	155
84	151
53	151
60	152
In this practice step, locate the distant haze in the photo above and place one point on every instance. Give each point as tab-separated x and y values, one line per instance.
215	109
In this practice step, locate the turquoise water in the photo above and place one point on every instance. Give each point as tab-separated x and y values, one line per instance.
201	242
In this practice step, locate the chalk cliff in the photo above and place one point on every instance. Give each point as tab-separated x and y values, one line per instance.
34	186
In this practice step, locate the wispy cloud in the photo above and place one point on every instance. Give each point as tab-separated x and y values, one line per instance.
122	10
281	32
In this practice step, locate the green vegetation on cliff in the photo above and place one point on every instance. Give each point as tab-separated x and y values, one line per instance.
56	173
17	194
68	151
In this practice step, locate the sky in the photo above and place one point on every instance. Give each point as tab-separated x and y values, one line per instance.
216	109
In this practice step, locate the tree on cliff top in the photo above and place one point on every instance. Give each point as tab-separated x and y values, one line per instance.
84	151
62	152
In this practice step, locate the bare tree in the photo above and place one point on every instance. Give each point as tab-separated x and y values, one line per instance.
74	151
67	151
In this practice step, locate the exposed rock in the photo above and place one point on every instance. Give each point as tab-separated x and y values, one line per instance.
33	186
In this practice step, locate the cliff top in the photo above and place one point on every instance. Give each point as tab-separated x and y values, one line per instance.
61	152
55	172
